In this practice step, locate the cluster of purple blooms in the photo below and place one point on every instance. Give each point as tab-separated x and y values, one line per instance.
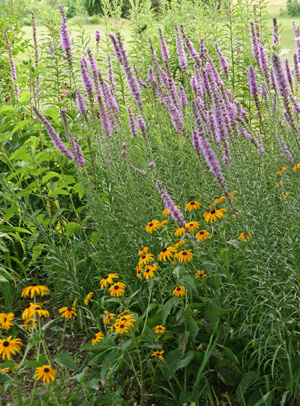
169	204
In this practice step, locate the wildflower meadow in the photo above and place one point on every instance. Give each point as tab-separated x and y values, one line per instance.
149	213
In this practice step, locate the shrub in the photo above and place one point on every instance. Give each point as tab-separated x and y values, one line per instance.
293	8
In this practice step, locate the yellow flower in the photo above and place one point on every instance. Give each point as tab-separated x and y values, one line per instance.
152	226
117	289
60	228
166	253
108	318
67	312
5	320
42	313
108	279
159	329
297	166
128	319
193	205
234	192
179	291
29	310
121	327
97	337
162	223
200	274
213	214
35	289
9	346
29	324
49	208
179	244
56	202
166	212
184	256
203	235
45	372
193	225
149	271
245	236
4	370
280	184
143	251
284	169
145	259
284	195
158	354
139	271
219	200
180	231
87	298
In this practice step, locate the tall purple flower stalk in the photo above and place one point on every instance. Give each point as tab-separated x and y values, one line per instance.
276	36
183	99
202	50
132	126
86	80
97	38
296	68
110	70
65	36
284	149
182	59
223	61
175	213
260	146
116	47
11	62
189	46
103	113
164	48
53	134
255	44
76	150
263	59
132	82
289	73
81	104
252	81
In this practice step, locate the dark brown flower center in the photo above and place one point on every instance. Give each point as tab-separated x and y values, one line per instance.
5	319
178	289
46	370
201	232
192	203
105	277
164	250
147	270
212	211
122	325
5	344
34	284
184	253
116	287
151	224
69	309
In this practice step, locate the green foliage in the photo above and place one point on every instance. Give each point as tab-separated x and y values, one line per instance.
293	8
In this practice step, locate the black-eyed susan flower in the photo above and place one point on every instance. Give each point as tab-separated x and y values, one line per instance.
97	338
234	192
179	244
42	312
139	271
143	251
162	223
203	235
280	172
179	291
297	166
108	279
213	214
121	327
117	289
284	195
34	290
61	227
145	259
280	184
180	231
158	354
192	226
87	298
56	202
108	317
29	324
166	212
149	271
67	312
30	310
126	318
183	256
219	200
9	346
201	274
159	329
166	253
45	372
193	205
246	236
4	370
6	320
152	226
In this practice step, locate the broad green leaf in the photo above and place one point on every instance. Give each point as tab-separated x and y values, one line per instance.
20	124
53	113
71	228
65	360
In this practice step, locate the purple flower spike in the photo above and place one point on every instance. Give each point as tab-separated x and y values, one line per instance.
289	73
175	213
276	36
164	48
11	63
64	35
182	59
296	68
81	104
255	45
97	36
263	59
284	149
124	152
279	74
223	61
260	146
252	81
183	99
53	134
132	126
117	51
151	165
